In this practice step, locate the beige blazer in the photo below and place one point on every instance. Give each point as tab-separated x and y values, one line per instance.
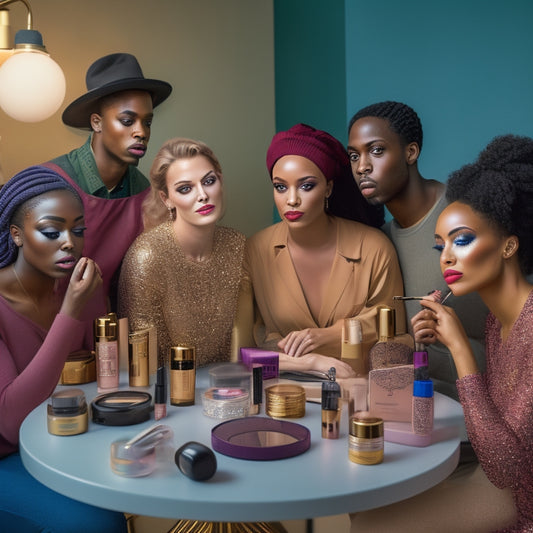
365	275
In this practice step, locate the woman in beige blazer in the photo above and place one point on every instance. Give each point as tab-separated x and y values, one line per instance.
312	270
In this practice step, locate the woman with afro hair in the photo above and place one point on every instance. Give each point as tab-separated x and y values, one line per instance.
484	238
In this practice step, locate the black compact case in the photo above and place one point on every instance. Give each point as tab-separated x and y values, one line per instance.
121	408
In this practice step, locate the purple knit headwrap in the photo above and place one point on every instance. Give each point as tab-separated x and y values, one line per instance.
23	186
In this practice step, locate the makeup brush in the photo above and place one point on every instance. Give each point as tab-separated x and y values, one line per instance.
440	300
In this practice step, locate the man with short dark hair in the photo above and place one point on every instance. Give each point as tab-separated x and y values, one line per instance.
118	108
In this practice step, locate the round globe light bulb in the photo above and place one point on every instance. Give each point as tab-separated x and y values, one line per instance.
32	86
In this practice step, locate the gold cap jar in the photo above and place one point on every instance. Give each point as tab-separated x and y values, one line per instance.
80	367
365	442
67	412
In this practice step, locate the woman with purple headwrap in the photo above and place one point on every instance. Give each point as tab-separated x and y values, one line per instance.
41	322
314	269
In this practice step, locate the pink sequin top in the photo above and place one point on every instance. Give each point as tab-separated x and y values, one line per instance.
498	407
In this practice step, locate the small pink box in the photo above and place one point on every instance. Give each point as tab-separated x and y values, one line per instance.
390	393
267	359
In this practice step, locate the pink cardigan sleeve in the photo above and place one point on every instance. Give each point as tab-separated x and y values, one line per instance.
503	452
31	361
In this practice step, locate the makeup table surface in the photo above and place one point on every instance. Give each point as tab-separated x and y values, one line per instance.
321	481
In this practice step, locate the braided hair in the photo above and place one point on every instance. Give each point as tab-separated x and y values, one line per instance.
15	200
403	120
499	186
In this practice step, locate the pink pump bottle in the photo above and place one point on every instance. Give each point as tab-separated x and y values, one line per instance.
106	347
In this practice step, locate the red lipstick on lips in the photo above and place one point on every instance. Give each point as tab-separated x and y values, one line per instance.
67	263
451	276
205	209
293	215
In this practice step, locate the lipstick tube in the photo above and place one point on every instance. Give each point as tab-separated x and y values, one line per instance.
160	395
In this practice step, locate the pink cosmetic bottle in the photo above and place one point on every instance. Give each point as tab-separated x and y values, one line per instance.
391	371
106	347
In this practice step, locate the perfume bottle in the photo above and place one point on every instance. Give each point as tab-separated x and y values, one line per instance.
331	411
392	372
391	349
351	348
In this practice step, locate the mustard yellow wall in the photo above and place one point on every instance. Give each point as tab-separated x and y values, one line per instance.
217	54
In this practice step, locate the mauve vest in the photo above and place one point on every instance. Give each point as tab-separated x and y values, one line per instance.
112	226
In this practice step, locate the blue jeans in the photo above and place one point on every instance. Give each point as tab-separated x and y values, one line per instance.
27	506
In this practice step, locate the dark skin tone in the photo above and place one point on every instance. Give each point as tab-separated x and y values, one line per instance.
121	131
382	160
50	242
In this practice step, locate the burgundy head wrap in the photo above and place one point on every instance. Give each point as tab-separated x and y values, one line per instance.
326	152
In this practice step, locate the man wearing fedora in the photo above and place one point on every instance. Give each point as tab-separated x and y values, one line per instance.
118	109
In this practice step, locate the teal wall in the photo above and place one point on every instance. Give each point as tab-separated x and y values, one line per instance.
310	60
466	67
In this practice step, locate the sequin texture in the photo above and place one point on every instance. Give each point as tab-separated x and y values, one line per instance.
498	407
188	302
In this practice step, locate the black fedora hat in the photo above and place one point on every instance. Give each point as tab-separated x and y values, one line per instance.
107	75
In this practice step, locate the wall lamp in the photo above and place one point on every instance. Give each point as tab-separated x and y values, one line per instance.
32	84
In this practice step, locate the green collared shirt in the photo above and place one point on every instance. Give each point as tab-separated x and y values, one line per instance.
80	165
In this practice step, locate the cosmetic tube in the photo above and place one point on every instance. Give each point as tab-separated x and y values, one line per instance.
257	389
420	362
331	411
423	407
139	375
182	375
352	348
160	395
107	371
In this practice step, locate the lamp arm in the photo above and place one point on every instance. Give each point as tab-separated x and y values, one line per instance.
4	3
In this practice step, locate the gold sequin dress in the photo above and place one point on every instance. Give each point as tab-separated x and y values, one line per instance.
498	407
188	302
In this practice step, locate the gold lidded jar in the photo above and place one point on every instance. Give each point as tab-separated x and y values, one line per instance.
365	442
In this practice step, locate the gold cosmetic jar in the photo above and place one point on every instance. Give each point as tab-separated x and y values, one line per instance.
285	401
365	442
80	367
67	412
